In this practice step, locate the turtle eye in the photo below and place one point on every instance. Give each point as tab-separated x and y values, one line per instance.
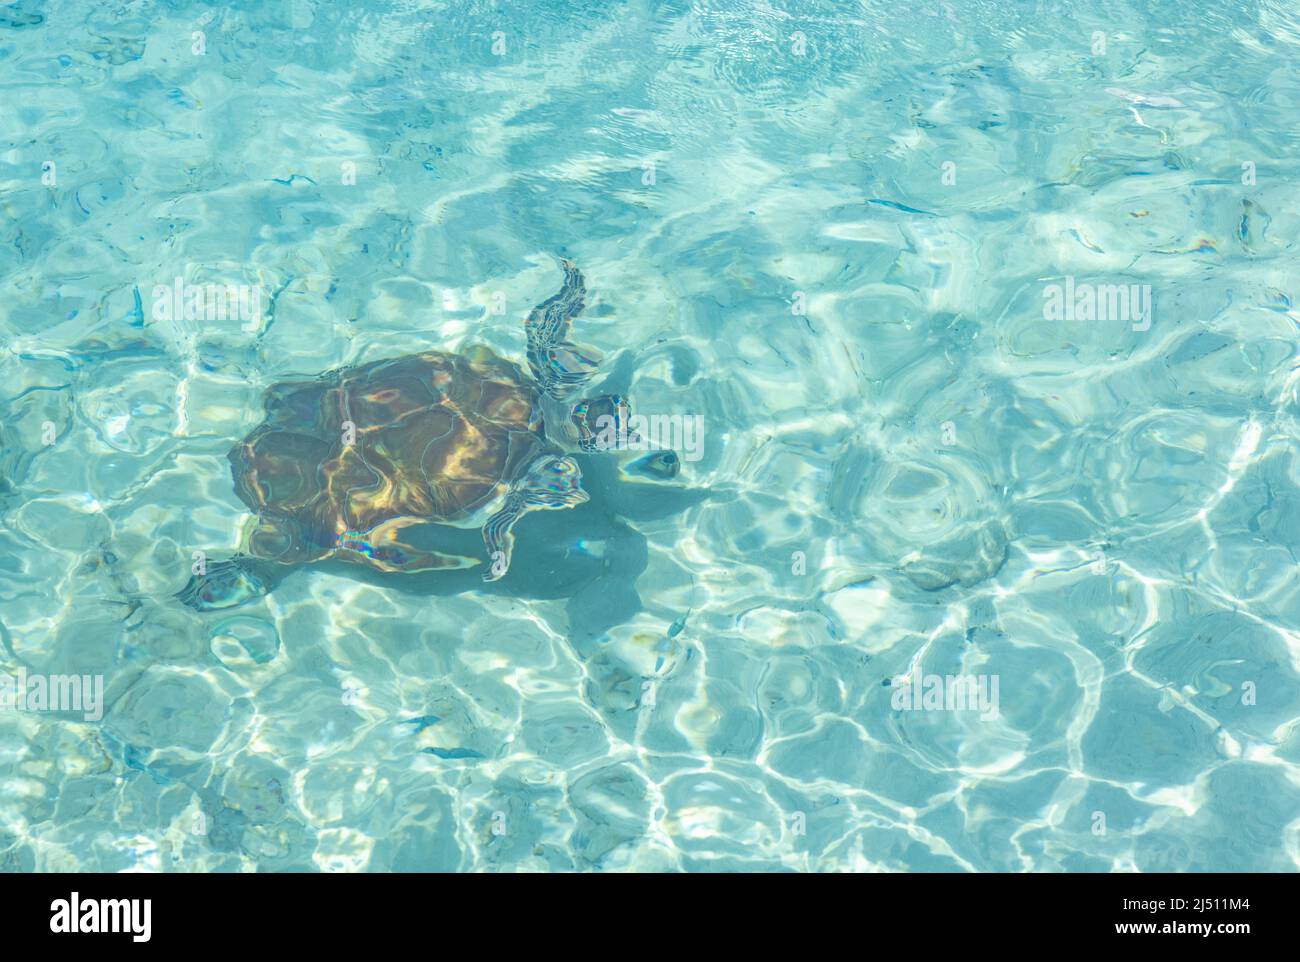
662	465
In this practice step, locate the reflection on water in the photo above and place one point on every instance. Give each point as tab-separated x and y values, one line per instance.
844	236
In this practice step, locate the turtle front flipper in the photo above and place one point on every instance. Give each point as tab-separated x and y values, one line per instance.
391	547
558	364
228	584
549	484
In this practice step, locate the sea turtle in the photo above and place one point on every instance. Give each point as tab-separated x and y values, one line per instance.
353	464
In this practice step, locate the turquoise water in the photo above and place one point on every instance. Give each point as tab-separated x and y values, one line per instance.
845	234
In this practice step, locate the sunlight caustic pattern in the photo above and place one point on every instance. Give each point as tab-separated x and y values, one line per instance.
987	310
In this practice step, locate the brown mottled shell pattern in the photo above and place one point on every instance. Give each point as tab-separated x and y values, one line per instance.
430	436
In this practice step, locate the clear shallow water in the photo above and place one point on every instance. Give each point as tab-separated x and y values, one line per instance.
908	465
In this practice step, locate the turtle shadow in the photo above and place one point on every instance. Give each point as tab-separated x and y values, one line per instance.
591	554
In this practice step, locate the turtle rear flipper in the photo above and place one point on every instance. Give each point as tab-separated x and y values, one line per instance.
228	584
550	483
558	364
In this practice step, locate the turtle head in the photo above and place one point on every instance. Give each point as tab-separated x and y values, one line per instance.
602	423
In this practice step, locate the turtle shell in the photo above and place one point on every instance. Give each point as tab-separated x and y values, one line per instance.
429	436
